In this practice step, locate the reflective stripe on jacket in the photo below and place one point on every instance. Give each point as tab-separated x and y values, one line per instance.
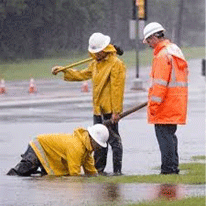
108	79
168	94
65	154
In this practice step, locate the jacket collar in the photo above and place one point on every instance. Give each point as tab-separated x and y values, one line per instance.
83	135
160	46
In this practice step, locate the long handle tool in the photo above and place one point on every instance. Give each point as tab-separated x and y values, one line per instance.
75	64
127	112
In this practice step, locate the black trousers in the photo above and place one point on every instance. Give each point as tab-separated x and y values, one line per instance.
28	165
168	147
114	140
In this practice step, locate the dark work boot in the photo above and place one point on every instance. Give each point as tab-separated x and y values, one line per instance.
171	172
25	168
12	172
28	164
103	173
117	174
21	169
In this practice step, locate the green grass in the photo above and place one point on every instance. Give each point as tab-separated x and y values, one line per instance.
41	68
37	68
194	173
199	157
145	56
192	201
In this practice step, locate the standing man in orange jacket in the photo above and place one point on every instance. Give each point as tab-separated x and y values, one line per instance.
168	94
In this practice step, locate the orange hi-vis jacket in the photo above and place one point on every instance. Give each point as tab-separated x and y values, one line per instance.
168	94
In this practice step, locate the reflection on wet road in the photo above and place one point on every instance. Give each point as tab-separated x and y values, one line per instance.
141	156
70	191
140	153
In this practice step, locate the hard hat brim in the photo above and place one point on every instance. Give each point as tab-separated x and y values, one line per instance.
106	43
90	130
151	33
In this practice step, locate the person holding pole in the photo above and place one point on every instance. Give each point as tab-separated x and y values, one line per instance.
168	94
63	154
108	73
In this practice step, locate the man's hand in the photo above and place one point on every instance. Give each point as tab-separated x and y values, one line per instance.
115	118
55	70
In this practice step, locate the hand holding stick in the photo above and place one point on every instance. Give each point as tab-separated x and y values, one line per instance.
57	69
127	112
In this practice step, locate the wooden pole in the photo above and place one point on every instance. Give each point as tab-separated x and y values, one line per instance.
127	112
75	64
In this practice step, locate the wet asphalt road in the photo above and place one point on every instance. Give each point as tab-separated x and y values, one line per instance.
24	116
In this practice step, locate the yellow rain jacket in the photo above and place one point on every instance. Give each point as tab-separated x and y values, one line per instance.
64	154
108	79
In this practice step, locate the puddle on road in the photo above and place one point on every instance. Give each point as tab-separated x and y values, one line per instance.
141	153
70	191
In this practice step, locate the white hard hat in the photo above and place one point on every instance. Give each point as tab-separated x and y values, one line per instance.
99	133
97	42
152	28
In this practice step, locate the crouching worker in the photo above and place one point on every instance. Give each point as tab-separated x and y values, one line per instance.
63	154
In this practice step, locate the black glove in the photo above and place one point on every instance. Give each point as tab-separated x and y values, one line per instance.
120	51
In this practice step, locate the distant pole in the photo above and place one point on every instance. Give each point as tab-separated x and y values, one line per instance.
204	67
135	17
179	23
137	84
112	20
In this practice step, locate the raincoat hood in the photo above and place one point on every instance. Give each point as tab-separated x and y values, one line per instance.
83	136
109	49
174	51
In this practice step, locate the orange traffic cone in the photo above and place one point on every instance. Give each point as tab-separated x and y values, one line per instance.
2	87
85	87
32	86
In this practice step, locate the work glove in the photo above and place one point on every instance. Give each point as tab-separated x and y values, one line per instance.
55	69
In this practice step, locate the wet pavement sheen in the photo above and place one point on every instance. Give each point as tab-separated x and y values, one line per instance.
140	151
65	191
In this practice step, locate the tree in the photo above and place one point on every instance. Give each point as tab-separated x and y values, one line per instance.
35	28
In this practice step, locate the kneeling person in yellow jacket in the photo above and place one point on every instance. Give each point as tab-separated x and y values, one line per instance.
63	154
